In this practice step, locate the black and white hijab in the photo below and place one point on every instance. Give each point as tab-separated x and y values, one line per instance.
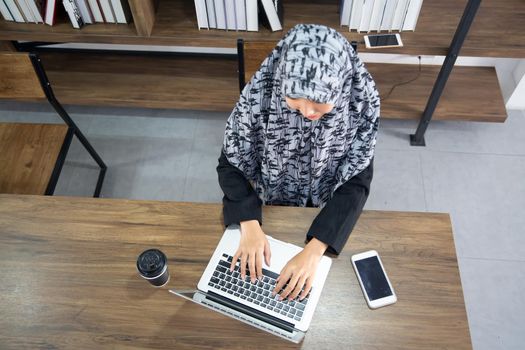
287	157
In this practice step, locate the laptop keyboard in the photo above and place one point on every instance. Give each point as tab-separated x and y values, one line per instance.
258	293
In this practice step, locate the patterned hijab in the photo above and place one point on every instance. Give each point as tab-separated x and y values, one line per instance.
288	158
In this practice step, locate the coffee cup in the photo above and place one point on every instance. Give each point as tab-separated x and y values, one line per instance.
152	265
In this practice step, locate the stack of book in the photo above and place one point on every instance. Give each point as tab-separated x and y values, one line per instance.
80	12
380	15
238	14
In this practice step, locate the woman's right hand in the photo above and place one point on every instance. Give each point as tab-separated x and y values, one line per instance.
252	248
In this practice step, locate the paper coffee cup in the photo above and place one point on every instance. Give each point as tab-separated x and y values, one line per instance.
152	265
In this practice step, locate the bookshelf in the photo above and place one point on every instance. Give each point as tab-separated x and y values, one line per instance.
496	32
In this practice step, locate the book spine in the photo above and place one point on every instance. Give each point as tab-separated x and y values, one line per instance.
344	8
107	11
210	10
50	12
35	11
95	10
230	14
356	14
220	12
252	20
364	26
202	16
85	13
240	14
26	12
15	11
73	13
271	14
5	12
122	12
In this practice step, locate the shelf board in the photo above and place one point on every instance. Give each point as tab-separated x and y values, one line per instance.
211	84
471	93
143	81
496	31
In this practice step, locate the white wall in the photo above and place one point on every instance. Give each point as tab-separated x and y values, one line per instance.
517	99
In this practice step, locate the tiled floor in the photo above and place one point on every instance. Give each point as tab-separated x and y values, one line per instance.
471	170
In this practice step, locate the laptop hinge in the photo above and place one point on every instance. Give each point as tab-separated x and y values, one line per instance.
287	326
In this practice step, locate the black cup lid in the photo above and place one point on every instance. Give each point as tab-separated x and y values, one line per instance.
151	262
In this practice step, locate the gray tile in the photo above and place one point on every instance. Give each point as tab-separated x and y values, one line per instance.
138	168
493	291
485	196
163	170
143	126
38	113
202	183
395	138
79	174
476	137
397	182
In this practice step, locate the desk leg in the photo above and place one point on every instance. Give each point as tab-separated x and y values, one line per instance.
469	14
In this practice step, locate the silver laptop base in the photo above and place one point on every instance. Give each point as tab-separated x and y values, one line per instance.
201	298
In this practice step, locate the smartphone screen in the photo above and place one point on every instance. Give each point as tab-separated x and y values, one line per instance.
373	278
383	40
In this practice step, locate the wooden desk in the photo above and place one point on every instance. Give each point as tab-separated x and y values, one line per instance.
68	278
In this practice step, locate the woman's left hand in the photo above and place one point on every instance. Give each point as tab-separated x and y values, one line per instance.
300	271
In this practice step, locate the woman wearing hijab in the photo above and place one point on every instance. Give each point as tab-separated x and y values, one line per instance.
302	134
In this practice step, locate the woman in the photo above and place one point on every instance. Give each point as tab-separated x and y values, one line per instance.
303	133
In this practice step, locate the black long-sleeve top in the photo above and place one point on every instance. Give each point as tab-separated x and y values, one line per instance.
333	224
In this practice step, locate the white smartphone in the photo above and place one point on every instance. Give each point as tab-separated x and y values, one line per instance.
383	40
374	282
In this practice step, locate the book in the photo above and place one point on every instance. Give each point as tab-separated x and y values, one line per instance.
5	12
202	16
345	9
240	14
74	13
412	14
280	10
230	14
49	16
85	12
210	10
377	15
107	11
15	11
26	12
220	14
272	15
366	16
252	18
40	8
95	10
122	11
388	16
399	15
356	14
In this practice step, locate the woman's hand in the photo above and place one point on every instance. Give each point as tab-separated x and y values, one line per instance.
300	271
253	246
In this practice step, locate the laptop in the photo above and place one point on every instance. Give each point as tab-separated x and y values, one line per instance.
224	291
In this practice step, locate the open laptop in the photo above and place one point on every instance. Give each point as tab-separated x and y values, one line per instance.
252	303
